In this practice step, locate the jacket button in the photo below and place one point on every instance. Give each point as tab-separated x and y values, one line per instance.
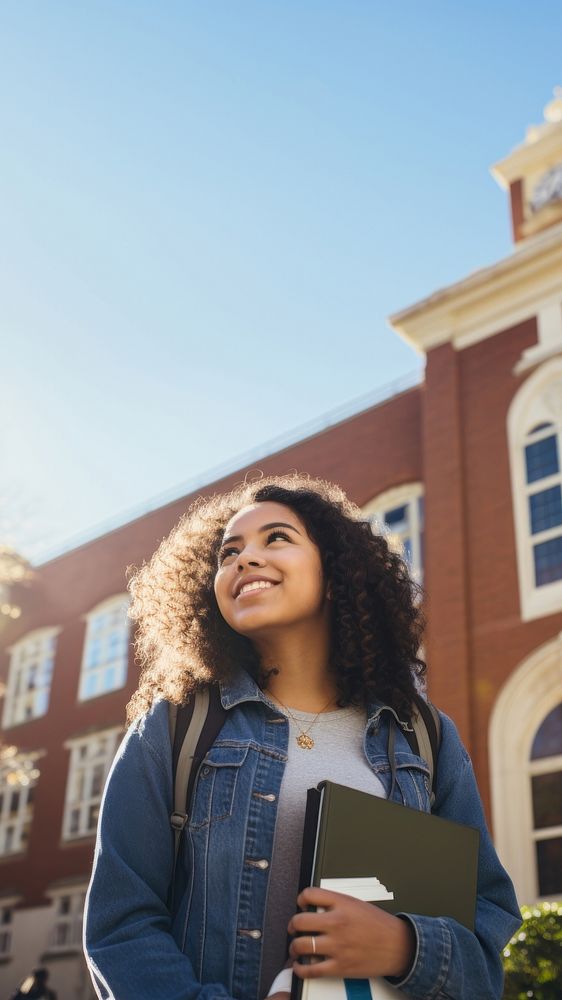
262	864
205	771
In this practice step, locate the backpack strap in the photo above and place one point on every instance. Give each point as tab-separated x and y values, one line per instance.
425	736
193	729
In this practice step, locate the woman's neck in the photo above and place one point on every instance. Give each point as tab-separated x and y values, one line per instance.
300	676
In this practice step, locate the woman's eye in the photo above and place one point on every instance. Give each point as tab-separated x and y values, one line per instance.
225	553
273	535
278	534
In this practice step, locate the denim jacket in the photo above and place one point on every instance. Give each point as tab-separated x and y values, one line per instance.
210	949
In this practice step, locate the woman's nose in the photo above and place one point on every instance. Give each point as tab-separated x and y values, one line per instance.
249	557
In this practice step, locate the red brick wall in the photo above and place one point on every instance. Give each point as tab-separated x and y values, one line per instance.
366	454
517	209
496	638
451	434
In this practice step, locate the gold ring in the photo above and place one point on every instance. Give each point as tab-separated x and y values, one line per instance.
313	944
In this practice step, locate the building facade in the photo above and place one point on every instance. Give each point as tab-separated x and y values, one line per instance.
464	469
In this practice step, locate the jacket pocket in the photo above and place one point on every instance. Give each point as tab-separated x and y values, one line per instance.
215	787
412	779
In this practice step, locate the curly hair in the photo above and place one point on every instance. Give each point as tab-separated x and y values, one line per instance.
182	640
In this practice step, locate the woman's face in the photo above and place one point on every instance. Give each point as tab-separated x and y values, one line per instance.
270	573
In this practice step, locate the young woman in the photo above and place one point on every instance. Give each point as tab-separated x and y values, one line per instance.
281	593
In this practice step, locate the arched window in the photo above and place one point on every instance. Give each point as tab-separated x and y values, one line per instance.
526	774
401	513
106	648
29	678
535	445
546	793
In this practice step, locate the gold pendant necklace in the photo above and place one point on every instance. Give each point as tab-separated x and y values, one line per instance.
303	740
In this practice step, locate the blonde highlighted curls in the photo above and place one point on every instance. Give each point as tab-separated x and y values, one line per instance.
182	640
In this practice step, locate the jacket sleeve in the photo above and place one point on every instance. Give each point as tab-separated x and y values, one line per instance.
128	939
451	962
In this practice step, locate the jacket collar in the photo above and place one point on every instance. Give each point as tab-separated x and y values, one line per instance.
242	687
238	689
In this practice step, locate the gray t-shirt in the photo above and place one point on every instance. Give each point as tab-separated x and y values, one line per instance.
337	756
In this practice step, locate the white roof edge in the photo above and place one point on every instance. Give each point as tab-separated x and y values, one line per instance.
526	250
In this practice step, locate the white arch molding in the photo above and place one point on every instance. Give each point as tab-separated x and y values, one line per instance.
532	691
538	400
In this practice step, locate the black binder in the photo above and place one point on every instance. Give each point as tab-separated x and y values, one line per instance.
427	862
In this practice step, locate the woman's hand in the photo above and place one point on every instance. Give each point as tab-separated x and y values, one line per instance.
358	940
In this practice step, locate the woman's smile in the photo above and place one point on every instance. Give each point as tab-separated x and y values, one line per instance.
255	587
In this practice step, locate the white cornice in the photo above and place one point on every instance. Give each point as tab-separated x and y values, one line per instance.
488	301
522	159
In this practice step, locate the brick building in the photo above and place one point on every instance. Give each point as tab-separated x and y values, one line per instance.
465	470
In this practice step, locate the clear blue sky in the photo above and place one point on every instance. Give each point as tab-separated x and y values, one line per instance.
207	211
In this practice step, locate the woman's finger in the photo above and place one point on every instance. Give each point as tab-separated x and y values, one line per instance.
310	921
310	944
318	970
314	896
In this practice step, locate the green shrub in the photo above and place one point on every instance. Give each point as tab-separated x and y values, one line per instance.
533	958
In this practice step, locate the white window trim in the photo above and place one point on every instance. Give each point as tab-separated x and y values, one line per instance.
529	407
116	601
8	903
75	918
397	496
23	785
38	635
70	803
525	700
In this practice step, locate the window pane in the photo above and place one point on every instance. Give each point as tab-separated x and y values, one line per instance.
407	543
547	799
114	644
98	624
62	934
90	685
545	509
94	653
41	702
98	779
542	459
548	561
548	738
549	864
109	682
93	814
397	518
